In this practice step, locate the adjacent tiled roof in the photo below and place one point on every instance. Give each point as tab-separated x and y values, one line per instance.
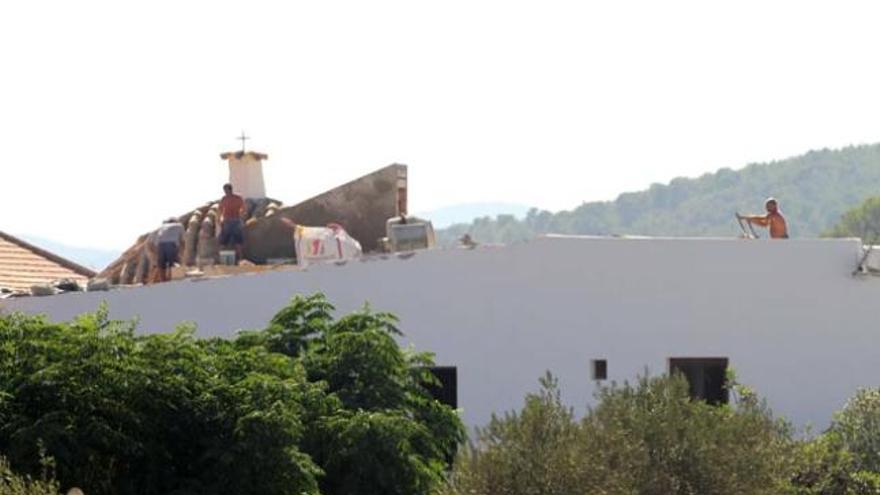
22	265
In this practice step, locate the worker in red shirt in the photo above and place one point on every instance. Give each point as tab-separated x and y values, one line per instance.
232	212
773	220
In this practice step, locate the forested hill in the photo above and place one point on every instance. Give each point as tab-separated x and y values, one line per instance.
814	190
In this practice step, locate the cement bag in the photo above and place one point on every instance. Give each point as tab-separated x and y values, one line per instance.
43	290
321	244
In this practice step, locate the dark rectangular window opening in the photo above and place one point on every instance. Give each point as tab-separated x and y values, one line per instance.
447	391
705	376
599	369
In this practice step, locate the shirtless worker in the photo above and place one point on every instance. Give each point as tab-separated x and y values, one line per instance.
232	211
772	220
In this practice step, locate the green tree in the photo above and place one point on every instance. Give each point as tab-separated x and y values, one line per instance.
121	413
385	434
310	404
863	222
389	435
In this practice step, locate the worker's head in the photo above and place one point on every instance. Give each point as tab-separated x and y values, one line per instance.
227	188
170	220
771	205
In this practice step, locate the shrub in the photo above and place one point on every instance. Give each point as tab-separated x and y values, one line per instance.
843	460
645	438
12	483
536	450
857	426
821	467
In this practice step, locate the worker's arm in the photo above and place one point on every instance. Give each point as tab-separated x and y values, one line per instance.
762	220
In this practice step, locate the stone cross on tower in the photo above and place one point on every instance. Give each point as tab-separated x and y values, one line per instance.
242	138
246	171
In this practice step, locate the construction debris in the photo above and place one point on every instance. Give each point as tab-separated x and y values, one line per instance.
320	244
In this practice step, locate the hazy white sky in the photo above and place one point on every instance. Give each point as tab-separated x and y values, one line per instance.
112	114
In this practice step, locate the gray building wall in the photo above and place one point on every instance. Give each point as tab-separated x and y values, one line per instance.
787	314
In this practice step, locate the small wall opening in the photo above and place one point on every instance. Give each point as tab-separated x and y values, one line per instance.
599	369
447	391
705	376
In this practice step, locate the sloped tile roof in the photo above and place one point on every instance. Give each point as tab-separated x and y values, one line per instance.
22	265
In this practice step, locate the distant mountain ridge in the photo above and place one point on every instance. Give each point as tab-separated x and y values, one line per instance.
450	215
93	258
814	190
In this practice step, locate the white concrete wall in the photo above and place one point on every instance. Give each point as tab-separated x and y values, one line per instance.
792	320
246	176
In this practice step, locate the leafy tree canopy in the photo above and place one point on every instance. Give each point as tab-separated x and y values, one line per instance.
311	404
863	221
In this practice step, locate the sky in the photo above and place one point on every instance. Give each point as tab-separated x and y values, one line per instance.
113	114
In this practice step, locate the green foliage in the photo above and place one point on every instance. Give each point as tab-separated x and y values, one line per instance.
390	436
823	467
536	450
300	407
646	438
862	221
12	483
153	414
672	444
865	483
651	438
814	190
857	427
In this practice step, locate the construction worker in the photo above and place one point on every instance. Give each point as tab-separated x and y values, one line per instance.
773	220
168	241
232	212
